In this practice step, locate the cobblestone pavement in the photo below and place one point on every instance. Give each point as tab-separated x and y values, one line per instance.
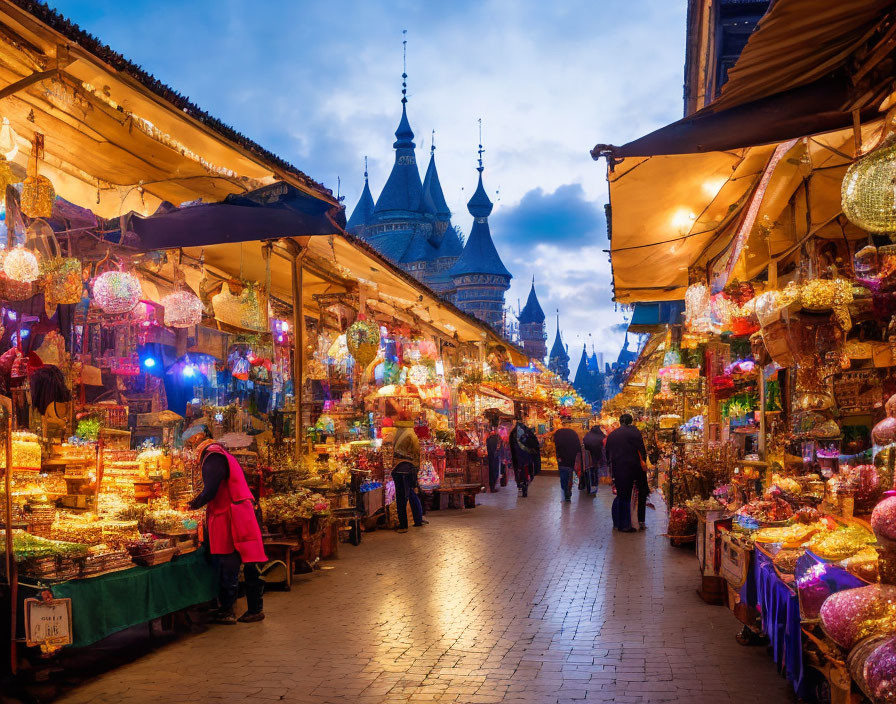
520	600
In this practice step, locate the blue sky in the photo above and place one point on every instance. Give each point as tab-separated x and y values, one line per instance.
319	84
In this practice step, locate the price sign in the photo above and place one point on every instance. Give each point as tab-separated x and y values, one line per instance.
48	622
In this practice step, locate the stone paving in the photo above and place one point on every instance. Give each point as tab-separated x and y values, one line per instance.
521	600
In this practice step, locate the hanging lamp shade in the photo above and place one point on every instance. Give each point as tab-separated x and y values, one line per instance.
867	194
183	309
363	340
9	143
21	265
38	195
117	292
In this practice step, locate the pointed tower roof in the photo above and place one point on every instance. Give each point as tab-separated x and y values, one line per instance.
363	211
433	197
479	255
450	246
581	377
403	191
531	312
558	351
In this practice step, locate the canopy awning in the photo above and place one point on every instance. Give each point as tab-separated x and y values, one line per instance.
795	77
270	212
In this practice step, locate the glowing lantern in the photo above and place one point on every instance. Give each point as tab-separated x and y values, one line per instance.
696	304
117	292
182	309
21	265
37	197
363	340
867	195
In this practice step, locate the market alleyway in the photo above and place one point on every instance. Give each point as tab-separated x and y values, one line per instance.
530	601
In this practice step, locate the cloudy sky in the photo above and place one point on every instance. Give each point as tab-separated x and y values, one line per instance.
319	84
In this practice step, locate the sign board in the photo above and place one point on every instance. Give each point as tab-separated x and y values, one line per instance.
48	622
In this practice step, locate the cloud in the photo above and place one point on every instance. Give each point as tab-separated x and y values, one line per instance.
563	217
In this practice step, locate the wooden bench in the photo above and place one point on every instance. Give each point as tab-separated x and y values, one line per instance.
460	495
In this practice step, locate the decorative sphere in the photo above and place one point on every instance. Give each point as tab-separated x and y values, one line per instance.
867	196
117	291
21	265
182	309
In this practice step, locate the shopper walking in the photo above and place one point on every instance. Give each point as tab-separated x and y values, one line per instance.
523	449
628	464
594	445
406	453
234	535
568	446
493	450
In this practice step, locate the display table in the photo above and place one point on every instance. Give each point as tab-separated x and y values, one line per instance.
110	603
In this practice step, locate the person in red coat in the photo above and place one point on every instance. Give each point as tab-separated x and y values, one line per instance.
233	531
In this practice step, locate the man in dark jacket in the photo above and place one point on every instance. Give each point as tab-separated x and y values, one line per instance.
493	448
594	445
569	450
523	449
628	463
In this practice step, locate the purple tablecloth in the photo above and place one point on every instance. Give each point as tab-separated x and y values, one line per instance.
780	609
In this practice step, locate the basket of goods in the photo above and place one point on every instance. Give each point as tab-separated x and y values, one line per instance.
769	511
149	550
682	525
788	536
863	564
863	482
785	562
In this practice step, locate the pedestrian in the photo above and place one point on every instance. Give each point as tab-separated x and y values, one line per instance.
627	456
594	443
234	534
493	448
523	448
407	457
568	446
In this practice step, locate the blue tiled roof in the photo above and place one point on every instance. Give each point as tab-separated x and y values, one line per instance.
531	312
450	245
479	255
557	349
363	210
433	197
479	205
419	249
403	190
392	244
581	378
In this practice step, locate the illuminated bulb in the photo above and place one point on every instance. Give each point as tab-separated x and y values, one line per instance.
149	362
189	370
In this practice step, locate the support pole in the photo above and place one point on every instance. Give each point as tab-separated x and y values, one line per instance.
11	577
762	426
298	321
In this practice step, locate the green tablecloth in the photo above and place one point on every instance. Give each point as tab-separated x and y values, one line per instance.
105	605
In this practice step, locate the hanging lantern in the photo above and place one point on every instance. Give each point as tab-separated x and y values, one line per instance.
9	143
62	280
696	305
38	197
183	309
21	265
7	177
867	195
117	292
363	340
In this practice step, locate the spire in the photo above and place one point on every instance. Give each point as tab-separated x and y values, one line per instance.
479	255
403	191
581	380
558	351
531	312
433	196
363	211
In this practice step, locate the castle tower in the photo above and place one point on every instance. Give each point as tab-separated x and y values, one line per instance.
480	277
558	361
532	332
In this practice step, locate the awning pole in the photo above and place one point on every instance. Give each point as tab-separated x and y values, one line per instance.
298	321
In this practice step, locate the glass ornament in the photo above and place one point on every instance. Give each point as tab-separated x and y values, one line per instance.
183	309
866	262
884	433
879	672
117	292
62	280
243	311
853	614
883	520
363	340
867	195
21	265
38	196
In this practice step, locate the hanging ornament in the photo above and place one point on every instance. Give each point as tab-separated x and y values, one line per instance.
9	142
363	340
62	280
696	303
7	177
38	194
183	309
867	195
117	292
21	265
